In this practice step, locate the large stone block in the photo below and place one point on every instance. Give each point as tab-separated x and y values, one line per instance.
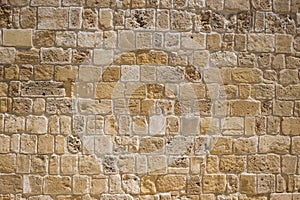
52	18
57	185
170	182
17	37
10	183
261	42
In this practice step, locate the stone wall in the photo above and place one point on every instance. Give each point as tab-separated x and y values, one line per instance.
149	99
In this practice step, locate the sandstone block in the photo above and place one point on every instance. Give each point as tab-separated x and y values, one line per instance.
56	55
46	144
5	141
99	186
284	196
170	182
126	40
103	57
100	3
233	164
261	42
7	55
248	183
237	5
28	17
296	145
38	164
147	16
8	163
148	185
65	39
10	183
28	144
245	108
32	184
14	124
274	144
75	18
245	145
36	124
214	183
69	164
45	38
291	92
19	2
106	19
131	184
246	75
288	77
66	73
262	91
181	21
52	18
291	126
89	165
193	41
284	43
151	145
57	185
221	145
264	163
283	108
289	164
224	59
45	3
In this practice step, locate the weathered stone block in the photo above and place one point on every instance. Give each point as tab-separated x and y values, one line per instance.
239	5
264	163
52	18
232	164
215	183
103	57
36	124
56	55
170	182
274	144
57	185
7	55
284	43
28	17
10	183
248	183
290	126
245	108
261	42
151	145
181	21
8	163
246	75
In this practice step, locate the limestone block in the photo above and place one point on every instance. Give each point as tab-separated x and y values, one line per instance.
57	185
214	183
52	18
170	182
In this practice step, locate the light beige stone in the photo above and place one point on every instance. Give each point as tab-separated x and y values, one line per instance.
17	38
170	182
214	183
261	42
57	185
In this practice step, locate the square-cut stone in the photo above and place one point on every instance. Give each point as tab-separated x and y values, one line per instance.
103	57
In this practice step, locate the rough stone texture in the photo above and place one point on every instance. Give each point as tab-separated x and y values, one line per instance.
149	99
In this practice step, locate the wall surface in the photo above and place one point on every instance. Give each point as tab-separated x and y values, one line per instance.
149	99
